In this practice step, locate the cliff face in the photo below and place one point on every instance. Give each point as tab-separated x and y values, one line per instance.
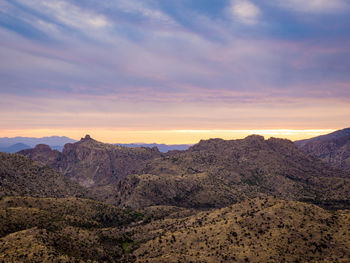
332	148
93	164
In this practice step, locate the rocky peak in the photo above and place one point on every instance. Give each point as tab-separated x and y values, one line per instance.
43	153
206	145
255	141
255	137
86	138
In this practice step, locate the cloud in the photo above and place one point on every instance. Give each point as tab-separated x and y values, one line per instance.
245	11
118	56
131	6
68	14
315	6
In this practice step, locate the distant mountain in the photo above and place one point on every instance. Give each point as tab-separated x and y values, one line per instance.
16	144
22	176
15	148
161	147
212	173
333	148
55	142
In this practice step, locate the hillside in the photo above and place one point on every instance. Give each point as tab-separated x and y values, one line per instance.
212	173
217	173
258	230
333	148
174	192
63	230
94	165
20	175
324	138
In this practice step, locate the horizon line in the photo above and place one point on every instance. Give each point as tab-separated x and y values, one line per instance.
173	136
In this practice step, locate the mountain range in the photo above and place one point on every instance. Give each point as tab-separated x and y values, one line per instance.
247	200
16	144
212	173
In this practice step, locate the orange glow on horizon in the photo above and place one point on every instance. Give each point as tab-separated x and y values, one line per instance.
164	136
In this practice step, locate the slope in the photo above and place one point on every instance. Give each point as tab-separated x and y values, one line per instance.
259	230
217	173
94	165
212	173
333	148
63	230
20	175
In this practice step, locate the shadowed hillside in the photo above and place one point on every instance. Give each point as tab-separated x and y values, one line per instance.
20	175
333	148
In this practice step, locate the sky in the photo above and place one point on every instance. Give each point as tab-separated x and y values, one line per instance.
174	71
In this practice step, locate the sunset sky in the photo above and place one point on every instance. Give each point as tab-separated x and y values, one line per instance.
174	71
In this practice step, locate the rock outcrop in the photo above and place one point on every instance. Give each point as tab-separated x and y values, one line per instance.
94	165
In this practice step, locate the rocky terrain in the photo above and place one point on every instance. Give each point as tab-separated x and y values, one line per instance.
64	230
212	173
333	148
258	230
217	173
218	201
22	176
94	165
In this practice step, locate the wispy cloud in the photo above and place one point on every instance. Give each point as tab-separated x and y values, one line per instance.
68	14
315	6
245	11
139	7
248	61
